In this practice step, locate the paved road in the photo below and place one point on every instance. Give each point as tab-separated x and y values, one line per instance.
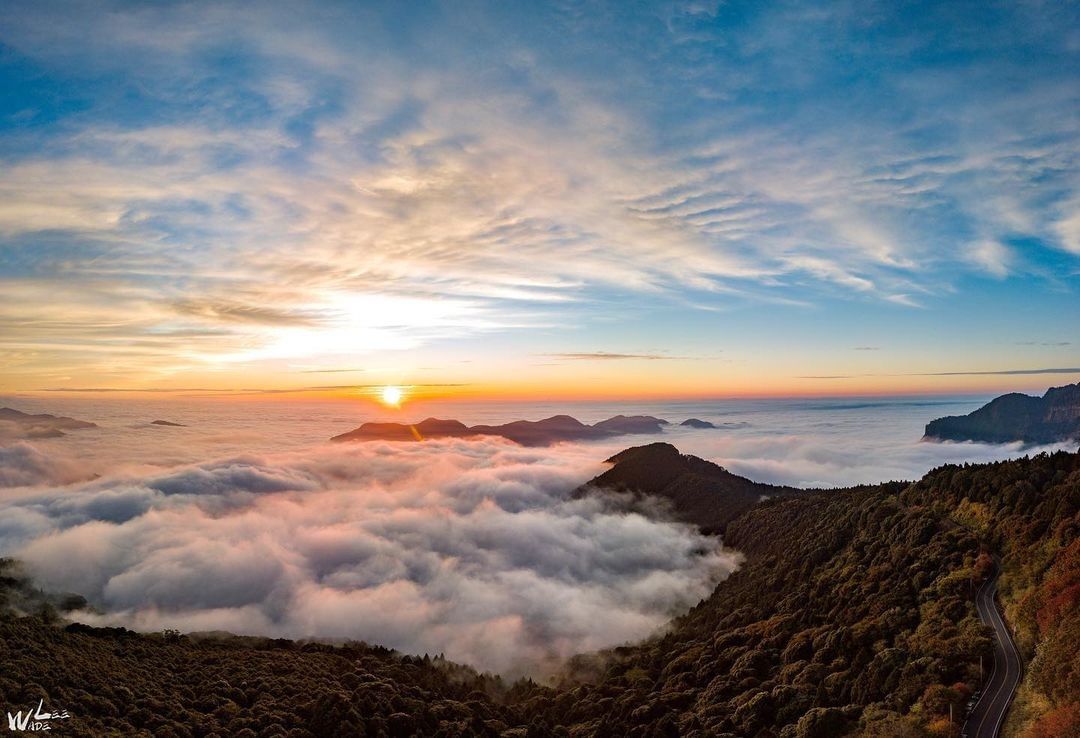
989	714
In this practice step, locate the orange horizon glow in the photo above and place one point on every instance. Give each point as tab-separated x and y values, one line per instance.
392	396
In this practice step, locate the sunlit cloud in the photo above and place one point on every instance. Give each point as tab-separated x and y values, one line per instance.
326	189
994	257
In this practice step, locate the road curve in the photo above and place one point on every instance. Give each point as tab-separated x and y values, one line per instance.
986	719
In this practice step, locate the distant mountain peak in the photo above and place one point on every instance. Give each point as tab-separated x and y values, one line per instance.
17	424
1052	418
526	432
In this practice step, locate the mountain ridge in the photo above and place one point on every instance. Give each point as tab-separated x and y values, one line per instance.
525	432
1052	418
42	425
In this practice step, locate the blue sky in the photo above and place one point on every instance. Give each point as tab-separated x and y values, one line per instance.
708	198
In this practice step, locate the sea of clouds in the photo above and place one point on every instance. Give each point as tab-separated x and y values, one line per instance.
811	460
246	520
474	549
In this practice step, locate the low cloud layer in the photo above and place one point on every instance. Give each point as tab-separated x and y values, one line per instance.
820	460
472	548
23	464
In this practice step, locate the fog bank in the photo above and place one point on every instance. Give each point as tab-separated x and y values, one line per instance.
471	548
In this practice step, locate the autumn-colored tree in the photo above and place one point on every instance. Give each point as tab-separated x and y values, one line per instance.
1064	722
937	698
943	728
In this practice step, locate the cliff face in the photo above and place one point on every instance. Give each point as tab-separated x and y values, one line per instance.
1063	404
1052	418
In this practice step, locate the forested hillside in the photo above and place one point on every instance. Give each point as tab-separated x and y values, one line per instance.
853	610
114	682
852	616
1027	510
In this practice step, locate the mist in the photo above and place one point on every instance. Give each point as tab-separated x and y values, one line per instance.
821	460
469	548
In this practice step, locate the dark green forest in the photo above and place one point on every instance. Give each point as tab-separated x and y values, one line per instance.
853	615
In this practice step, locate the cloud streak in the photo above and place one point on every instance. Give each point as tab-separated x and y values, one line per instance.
1004	372
607	356
998	372
256	390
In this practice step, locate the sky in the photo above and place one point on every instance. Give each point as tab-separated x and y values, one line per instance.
540	199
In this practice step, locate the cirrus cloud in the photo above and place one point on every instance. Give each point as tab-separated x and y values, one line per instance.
197	177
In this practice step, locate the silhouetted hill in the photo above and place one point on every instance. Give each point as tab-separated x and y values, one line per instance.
1052	418
629	424
429	428
168	423
696	423
541	432
699	491
17	424
526	432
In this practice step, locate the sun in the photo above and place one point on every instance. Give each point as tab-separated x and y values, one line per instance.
391	395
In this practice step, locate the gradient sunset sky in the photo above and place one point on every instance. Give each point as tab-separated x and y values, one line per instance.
540	199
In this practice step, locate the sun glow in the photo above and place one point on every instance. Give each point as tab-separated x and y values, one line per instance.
391	396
